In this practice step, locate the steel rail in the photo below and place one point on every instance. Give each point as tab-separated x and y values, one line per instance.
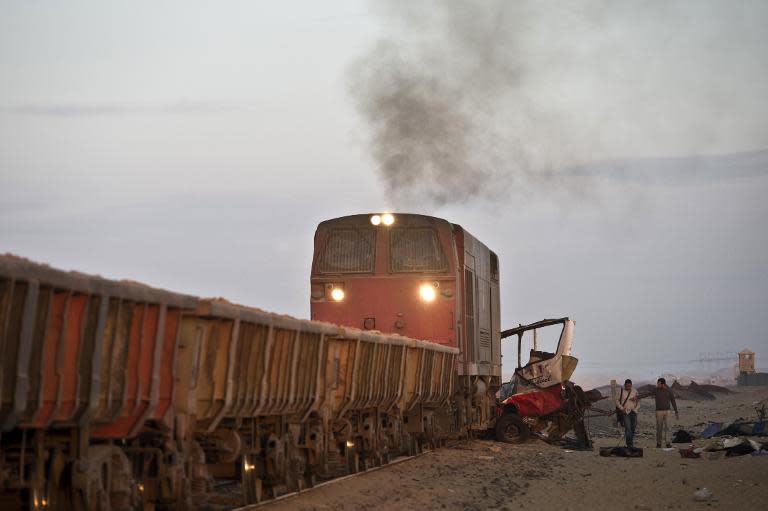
329	482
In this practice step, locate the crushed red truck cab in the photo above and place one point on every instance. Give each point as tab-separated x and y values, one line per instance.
540	399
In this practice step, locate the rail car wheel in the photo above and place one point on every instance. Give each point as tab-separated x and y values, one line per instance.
229	445
382	455
297	467
511	429
59	483
353	460
413	446
310	479
276	460
253	485
109	480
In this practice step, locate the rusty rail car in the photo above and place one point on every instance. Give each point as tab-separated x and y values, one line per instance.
115	395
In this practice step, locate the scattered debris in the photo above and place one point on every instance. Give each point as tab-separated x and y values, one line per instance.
712	429
693	392
621	452
712	389
739	449
690	452
726	446
731	442
682	436
736	428
702	494
761	407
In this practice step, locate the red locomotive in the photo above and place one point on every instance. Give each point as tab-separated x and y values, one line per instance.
421	277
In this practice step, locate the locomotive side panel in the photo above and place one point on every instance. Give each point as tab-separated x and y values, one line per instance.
481	310
479	367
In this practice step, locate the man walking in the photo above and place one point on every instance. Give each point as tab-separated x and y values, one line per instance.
664	398
626	405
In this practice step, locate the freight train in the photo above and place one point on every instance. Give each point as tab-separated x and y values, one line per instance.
118	396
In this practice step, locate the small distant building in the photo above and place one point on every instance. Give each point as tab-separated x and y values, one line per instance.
747	375
746	361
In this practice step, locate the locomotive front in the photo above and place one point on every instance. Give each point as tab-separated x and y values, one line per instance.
421	277
392	273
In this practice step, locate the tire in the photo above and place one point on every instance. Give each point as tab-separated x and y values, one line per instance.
511	429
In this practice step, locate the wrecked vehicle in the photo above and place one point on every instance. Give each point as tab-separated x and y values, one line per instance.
540	399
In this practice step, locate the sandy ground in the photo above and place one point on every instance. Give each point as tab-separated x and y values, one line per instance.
482	474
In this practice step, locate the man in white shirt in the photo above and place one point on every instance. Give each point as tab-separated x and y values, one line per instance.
626	405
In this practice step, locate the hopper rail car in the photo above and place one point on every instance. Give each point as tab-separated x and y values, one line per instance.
117	396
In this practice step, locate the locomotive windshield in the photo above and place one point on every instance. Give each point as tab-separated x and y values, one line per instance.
416	249
348	251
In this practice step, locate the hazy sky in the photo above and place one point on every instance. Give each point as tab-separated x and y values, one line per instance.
195	146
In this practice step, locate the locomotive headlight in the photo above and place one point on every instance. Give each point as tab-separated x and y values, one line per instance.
427	292
388	219
375	219
337	294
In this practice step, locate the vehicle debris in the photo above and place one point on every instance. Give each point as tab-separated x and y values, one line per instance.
725	447
702	494
621	452
682	436
540	399
735	428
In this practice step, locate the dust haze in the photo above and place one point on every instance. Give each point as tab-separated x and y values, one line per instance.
467	99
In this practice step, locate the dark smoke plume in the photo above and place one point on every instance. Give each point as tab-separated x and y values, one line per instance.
486	97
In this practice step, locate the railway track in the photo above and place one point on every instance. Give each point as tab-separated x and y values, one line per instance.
323	484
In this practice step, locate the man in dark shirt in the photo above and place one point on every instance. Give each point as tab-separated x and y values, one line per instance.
664	398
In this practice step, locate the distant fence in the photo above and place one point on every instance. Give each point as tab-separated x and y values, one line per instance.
716	360
752	379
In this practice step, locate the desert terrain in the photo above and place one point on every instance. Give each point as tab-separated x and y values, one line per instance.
483	474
